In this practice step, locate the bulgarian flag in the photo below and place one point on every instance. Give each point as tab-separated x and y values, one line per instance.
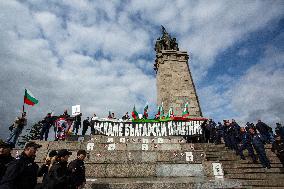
145	115
29	98
185	112
171	112
134	113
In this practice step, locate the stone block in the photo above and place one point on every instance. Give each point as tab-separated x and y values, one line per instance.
179	170
96	157
95	170
116	157
180	157
117	170
57	145
142	170
41	154
148	156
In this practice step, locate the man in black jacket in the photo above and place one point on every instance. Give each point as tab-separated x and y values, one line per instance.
77	123
278	148
86	124
264	130
22	172
77	169
59	176
5	157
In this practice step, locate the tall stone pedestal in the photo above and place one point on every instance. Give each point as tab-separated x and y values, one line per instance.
175	86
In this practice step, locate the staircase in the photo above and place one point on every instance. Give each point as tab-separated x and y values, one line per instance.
251	175
168	162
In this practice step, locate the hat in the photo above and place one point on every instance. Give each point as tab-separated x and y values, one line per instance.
52	153
63	152
32	144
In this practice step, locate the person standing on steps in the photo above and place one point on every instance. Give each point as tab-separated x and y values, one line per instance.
278	148
5	157
86	125
77	169
59	177
258	144
245	144
22	172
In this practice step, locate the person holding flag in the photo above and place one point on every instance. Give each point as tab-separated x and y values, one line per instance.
134	113
145	114
171	113
21	122
162	113
185	112
157	116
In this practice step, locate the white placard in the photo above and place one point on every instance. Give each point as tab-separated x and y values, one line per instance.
91	180
111	147
109	140
81	139
188	156
145	141
76	110
160	140
90	146
218	170
144	146
122	140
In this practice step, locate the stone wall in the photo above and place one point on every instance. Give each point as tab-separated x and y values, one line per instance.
175	86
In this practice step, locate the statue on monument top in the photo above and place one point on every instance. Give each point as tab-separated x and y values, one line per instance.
166	42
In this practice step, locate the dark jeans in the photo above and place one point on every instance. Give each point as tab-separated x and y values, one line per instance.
233	143
14	135
76	127
84	130
250	151
262	156
44	132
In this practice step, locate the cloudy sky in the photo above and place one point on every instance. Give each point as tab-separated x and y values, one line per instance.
99	54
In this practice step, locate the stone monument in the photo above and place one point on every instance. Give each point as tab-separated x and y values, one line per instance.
175	85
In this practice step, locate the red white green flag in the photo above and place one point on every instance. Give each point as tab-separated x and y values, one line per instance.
185	112
134	113
29	98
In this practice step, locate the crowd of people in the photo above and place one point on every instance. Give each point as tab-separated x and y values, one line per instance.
251	137
22	172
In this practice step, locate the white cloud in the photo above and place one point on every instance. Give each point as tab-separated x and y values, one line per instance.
260	93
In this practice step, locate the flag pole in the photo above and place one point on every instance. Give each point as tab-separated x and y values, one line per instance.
24	102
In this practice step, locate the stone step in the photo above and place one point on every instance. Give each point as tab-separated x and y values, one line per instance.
123	139
253	176
229	165
162	183
130	170
265	183
253	170
145	156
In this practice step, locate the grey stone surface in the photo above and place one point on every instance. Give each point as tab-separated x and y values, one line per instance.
175	85
56	145
179	170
